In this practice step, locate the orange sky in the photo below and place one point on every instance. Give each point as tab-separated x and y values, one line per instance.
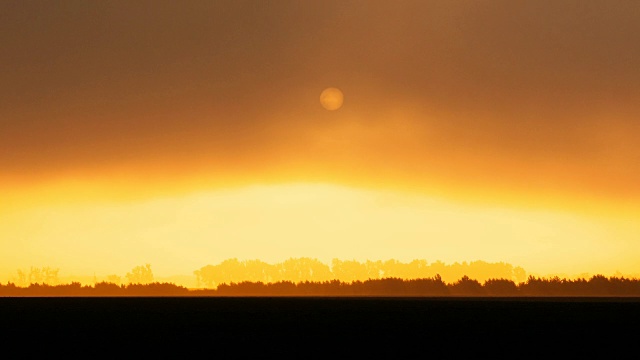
527	107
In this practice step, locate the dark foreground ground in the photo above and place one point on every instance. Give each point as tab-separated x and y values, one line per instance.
302	327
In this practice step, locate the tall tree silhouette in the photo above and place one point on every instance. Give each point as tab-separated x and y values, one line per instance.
140	275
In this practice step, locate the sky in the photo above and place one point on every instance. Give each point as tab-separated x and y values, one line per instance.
184	133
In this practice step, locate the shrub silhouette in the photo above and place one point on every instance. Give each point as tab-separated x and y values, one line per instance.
597	285
467	286
500	287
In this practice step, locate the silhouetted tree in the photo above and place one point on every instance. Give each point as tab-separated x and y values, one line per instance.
500	287
467	286
140	275
37	275
114	279
427	286
107	289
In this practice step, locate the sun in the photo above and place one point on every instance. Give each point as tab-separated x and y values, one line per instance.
331	98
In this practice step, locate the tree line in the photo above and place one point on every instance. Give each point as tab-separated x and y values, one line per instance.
141	274
299	270
309	269
597	285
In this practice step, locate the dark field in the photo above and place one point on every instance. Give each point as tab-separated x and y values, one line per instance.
359	325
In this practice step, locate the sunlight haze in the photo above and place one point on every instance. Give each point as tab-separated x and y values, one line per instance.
182	134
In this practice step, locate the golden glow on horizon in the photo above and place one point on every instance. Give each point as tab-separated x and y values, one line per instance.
180	141
179	234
